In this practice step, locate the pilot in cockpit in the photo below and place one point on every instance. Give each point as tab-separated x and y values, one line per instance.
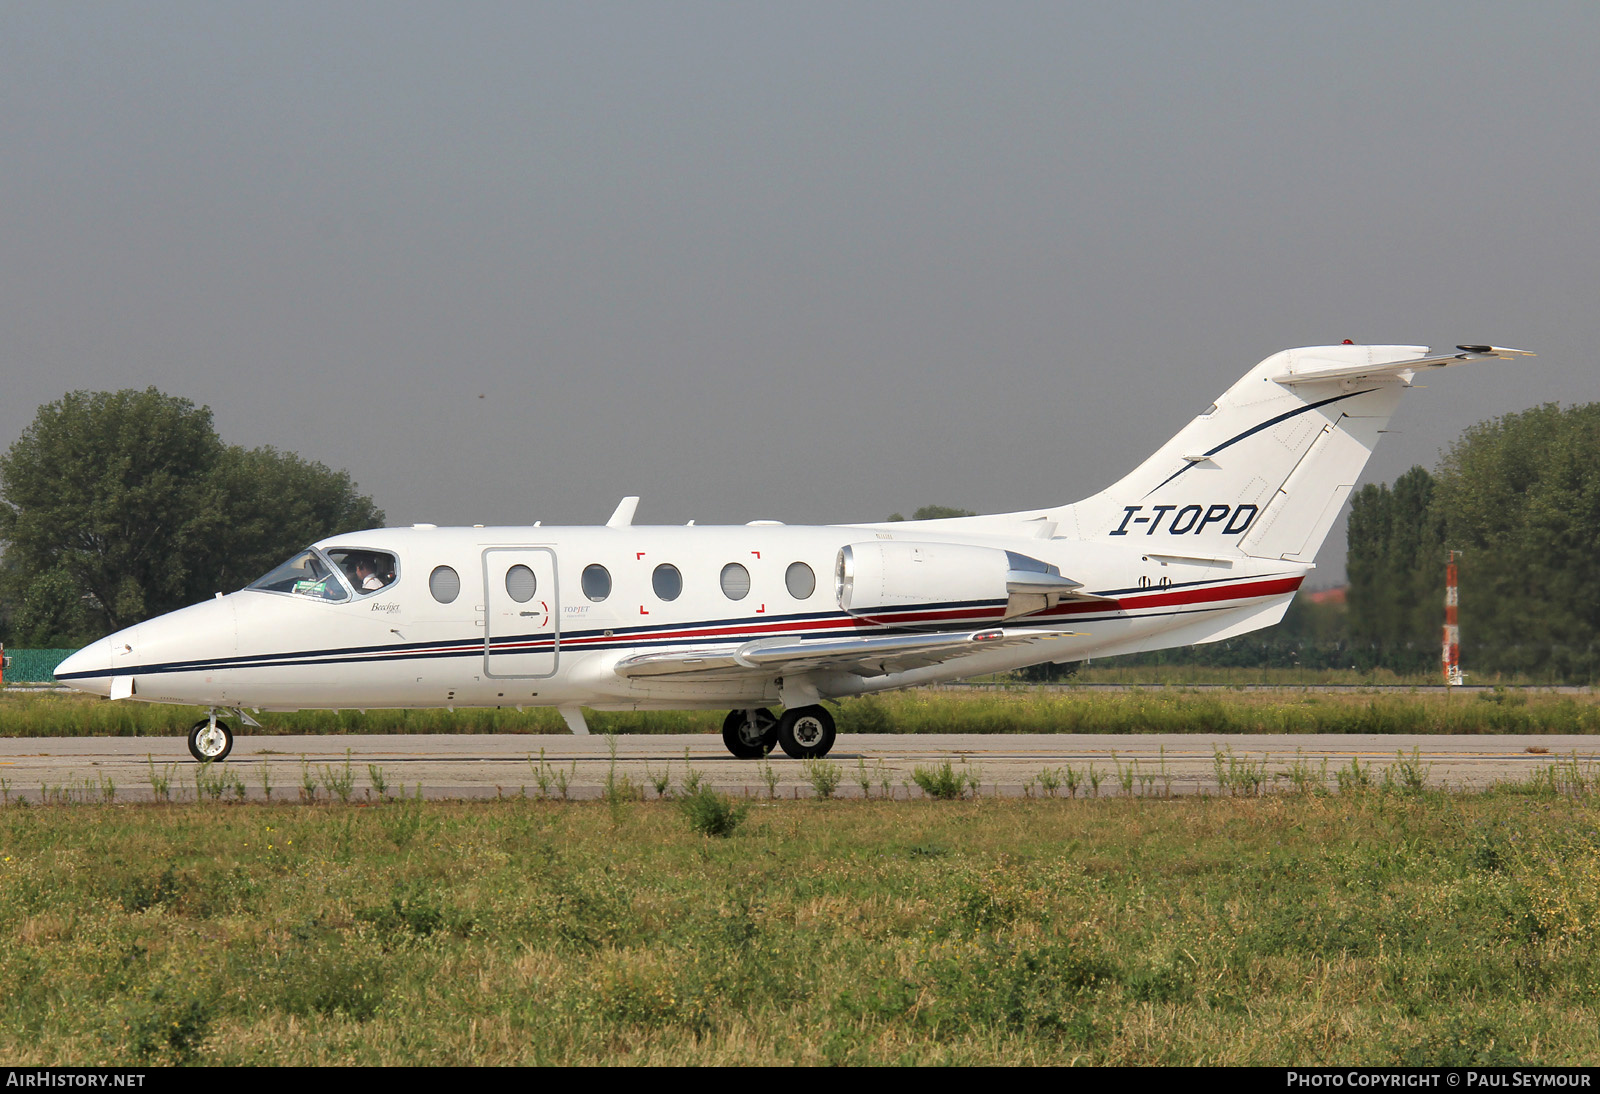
367	578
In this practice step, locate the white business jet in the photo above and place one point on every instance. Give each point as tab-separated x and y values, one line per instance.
1207	539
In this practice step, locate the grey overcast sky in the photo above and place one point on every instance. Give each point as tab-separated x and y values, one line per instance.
813	261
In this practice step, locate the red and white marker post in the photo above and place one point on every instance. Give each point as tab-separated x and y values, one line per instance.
1452	631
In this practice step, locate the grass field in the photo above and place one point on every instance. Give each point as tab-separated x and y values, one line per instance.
1376	928
928	710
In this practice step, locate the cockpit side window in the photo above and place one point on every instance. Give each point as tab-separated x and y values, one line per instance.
307	574
367	571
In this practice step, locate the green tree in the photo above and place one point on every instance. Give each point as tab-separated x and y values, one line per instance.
118	506
277	503
112	493
1396	566
1520	497
47	610
935	512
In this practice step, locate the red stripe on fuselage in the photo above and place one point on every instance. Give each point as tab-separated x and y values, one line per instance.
1240	591
1247	590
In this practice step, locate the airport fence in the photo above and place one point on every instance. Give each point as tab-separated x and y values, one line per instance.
34	666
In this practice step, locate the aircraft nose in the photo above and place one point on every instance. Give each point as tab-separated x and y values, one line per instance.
89	669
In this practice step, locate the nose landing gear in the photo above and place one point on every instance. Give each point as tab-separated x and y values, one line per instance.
210	740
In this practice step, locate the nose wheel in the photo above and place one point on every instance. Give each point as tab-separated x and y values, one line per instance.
210	740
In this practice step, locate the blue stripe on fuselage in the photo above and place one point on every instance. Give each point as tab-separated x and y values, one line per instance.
648	636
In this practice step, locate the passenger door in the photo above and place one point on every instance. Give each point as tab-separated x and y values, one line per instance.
522	625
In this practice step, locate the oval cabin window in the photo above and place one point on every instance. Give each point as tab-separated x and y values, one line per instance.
521	584
445	584
800	580
735	581
596	582
667	581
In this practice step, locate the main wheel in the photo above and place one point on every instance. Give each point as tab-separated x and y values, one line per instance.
806	733
750	734
210	743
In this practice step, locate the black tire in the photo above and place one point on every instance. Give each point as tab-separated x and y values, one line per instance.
750	734
204	748
806	733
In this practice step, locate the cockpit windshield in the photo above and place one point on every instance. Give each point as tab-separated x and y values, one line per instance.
306	574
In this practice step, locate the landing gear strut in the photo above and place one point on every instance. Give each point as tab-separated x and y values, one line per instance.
750	734
210	740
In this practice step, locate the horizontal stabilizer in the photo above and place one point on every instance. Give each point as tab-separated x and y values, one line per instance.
1307	367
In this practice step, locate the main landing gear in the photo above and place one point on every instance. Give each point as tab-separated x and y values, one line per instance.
210	739
806	733
750	734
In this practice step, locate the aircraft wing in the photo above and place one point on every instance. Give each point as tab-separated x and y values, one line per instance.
869	655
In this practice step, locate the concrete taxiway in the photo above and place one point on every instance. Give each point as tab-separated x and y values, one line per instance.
505	765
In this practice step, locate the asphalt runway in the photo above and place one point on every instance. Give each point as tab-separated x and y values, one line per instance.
506	765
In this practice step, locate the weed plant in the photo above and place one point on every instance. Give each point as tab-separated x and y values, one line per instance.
824	777
1304	778
1238	776
712	814
945	783
662	782
691	778
160	785
543	774
340	781
1355	779
618	790
1408	773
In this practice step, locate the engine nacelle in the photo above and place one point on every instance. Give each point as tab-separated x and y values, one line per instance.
886	575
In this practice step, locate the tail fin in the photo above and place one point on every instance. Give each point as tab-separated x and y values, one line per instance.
1265	469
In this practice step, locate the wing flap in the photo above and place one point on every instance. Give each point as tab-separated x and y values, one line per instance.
869	655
